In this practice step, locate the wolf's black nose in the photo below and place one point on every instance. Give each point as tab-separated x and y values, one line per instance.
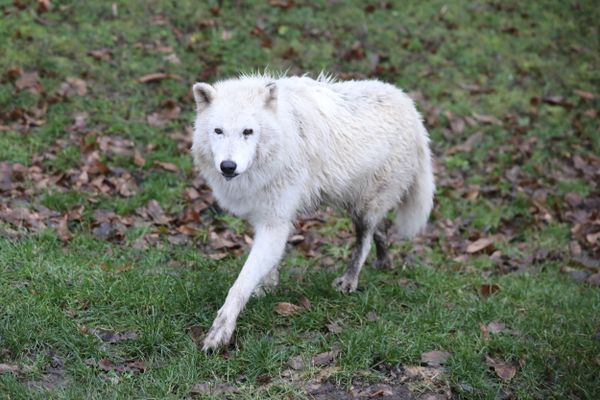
228	167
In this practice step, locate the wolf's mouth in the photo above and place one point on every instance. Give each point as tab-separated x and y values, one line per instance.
229	177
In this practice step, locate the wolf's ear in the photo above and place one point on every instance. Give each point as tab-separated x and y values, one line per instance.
271	100
204	95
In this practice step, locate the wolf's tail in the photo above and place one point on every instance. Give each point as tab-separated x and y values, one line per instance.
413	212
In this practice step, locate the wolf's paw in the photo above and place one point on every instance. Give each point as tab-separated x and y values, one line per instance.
383	263
345	284
219	334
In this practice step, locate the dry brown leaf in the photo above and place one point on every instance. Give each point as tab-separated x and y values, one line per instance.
167	166
325	358
169	111
334	327
6	175
217	256
79	122
585	95
287	309
110	336
29	80
495	327
191	194
435	358
43	6
480	244
218	242
505	370
158	76
138	159
484	330
103	54
12	368
594	279
196	333
72	86
157	214
63	229
487	119
128	366
467	145
304	302
297	363
486	290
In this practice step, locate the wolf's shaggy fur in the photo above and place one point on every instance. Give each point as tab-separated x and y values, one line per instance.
295	141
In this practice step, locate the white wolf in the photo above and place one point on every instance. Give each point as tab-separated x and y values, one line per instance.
271	148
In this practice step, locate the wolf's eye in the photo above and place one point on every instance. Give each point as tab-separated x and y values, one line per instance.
218	131
248	132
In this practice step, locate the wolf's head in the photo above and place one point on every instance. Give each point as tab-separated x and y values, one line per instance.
234	120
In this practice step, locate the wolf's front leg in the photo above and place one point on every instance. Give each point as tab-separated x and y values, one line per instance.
267	250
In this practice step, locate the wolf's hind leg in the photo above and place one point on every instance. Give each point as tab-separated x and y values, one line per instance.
383	260
348	282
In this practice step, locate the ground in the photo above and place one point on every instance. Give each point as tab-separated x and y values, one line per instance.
114	258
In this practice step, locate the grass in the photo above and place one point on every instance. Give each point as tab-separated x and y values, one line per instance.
52	292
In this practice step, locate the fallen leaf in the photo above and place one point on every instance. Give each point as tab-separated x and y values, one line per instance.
200	389
285	4
14	369
484	330
557	101
585	95
296	363
128	366
486	290
435	358
103	54
325	358
217	256
467	145
138	159
224	388
63	229
377	390
219	242
28	80
79	122
505	370
43	6
487	119
169	110
495	327
167	166
356	52
594	279
575	274
287	309
72	86
158	76
157	214
334	327
110	336
457	125
480	244
6	175
372	316
304	302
